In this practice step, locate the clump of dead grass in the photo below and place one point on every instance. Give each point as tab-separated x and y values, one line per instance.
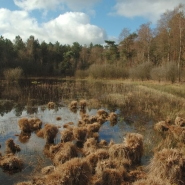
11	163
80	133
48	132
24	137
29	125
161	126
168	165
113	118
179	121
63	152
11	147
134	144
67	135
75	171
51	105
83	104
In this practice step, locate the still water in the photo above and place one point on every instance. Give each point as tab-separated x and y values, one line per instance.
29	98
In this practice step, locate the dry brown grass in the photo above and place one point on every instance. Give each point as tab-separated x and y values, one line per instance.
80	133
73	105
102	143
24	125
90	146
47	170
111	176
11	147
93	119
168	165
29	125
136	175
11	163
67	135
110	164
118	151
63	153
161	126
58	118
179	121
85	118
177	133
83	104
94	127
51	105
113	118
48	132
74	172
68	125
134	144
24	137
94	157
35	124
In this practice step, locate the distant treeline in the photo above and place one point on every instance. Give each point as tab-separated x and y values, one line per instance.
158	46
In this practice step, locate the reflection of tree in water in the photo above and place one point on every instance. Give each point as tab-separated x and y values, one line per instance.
18	109
31	110
11	92
28	95
6	106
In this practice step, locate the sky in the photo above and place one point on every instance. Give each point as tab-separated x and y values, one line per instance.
82	21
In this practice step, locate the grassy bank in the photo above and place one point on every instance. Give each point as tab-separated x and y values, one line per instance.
158	101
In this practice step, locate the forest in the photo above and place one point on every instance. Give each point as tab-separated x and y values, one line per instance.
149	53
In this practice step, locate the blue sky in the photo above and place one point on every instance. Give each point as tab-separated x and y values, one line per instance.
82	21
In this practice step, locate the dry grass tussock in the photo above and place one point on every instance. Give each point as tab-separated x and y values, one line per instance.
76	171
11	147
90	146
131	149
67	135
161	126
177	133
11	163
24	137
48	132
63	152
168	165
134	144
180	121
51	105
80	133
29	124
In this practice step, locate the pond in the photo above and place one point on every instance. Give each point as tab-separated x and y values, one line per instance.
29	98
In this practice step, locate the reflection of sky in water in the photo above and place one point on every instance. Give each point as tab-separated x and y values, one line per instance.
33	149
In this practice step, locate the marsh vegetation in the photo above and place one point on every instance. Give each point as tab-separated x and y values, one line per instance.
115	132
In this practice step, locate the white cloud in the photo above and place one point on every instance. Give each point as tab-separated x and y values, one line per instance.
37	4
13	23
148	9
52	4
74	26
66	28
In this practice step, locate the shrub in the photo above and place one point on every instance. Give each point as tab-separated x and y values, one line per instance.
141	71
167	72
158	73
107	71
81	74
171	71
13	74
